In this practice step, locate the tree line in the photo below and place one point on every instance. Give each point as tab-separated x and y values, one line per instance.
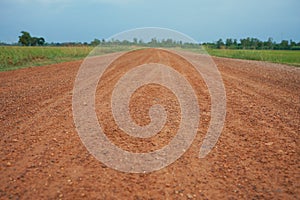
25	39
154	42
246	43
254	43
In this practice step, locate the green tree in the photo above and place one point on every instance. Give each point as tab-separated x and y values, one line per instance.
220	43
34	41
95	42
284	44
153	42
41	41
270	43
25	39
229	42
235	43
292	43
254	43
245	43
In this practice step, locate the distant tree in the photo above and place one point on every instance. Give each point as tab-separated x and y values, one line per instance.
153	42
292	43
95	42
220	43
228	42
41	41
284	44
260	44
270	43
141	42
254	43
245	43
34	41
4	44
25	39
235	44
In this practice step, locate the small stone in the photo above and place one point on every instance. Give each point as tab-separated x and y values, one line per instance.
8	164
269	143
189	196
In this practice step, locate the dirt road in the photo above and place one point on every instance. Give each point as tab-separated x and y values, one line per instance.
257	155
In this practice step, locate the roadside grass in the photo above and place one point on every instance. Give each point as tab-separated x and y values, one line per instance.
15	57
289	57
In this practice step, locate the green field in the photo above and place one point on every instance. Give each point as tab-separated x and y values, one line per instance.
276	56
14	57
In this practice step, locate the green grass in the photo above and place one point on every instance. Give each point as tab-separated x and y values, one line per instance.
14	57
276	56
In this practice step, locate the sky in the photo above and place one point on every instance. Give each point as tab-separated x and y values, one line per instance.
202	20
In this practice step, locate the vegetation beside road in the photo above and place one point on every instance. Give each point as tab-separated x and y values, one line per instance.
15	57
275	56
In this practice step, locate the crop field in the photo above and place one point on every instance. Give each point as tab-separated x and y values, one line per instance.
19	57
275	56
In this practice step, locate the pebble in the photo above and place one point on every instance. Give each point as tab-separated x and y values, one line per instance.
280	151
269	143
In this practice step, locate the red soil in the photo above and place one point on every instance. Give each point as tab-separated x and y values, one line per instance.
257	154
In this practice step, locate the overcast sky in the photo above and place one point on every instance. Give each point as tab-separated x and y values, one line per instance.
203	20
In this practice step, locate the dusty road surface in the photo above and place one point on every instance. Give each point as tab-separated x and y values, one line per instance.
256	157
